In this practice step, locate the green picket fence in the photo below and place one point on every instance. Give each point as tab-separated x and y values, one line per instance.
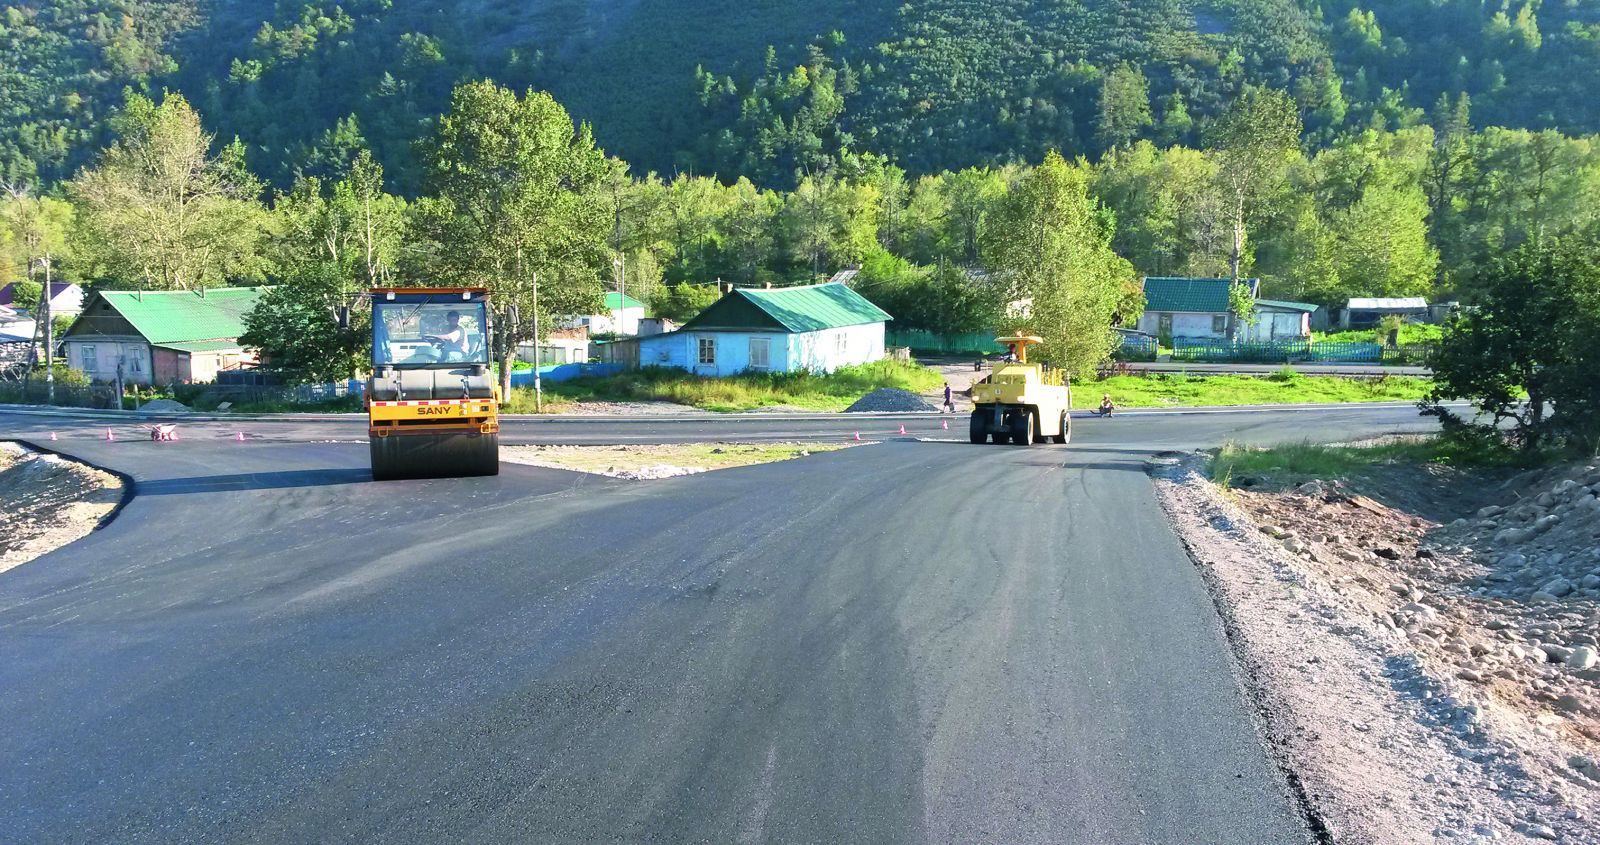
1275	352
972	343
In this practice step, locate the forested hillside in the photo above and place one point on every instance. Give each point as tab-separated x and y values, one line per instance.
763	87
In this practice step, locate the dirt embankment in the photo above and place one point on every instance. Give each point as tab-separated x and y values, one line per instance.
48	501
1426	662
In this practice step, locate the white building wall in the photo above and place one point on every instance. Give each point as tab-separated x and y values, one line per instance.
1183	324
820	351
98	358
1277	325
828	350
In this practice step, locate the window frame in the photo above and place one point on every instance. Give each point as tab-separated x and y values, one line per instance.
1219	323
706	351
765	345
88	358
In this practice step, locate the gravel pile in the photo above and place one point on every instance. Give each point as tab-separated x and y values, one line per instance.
890	399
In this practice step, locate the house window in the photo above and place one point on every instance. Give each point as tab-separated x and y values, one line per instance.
86	357
135	362
1219	324
760	353
708	350
841	345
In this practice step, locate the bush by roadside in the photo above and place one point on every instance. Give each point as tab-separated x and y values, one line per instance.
1287	387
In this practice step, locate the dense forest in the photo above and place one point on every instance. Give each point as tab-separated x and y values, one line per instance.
766	89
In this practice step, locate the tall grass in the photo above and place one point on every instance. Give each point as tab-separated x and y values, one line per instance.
1298	462
748	391
1285	387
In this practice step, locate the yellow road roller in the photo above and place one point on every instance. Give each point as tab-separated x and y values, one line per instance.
433	408
1015	404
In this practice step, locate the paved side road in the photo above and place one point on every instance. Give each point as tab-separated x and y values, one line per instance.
906	642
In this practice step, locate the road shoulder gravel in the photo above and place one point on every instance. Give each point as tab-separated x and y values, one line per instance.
48	501
1380	746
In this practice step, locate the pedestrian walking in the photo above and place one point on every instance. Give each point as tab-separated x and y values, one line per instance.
949	400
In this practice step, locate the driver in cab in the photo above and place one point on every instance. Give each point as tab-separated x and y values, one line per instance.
452	342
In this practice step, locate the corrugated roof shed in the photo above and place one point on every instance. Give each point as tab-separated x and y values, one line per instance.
1190	294
1286	305
167	317
806	308
1393	303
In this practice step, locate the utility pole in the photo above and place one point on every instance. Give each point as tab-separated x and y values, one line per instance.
538	352
620	266
49	338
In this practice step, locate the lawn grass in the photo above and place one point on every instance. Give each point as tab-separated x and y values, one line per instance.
1410	333
750	391
1295	463
1286	387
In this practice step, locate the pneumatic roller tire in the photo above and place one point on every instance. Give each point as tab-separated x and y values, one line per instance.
434	456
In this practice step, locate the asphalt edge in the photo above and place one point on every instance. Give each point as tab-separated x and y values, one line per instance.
1167	464
128	484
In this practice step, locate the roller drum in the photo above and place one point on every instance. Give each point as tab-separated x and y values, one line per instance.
449	455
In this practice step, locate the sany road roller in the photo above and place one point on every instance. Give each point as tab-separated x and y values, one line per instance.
433	408
1015	405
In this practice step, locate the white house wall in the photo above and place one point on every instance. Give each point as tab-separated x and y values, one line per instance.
100	364
828	350
819	351
1184	324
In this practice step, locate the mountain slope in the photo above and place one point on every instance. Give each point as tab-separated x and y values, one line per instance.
930	83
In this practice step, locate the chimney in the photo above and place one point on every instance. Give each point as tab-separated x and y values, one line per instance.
768	286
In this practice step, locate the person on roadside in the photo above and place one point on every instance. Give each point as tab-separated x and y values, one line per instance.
949	399
1105	405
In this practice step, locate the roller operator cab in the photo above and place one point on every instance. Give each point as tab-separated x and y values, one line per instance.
433	409
1017	403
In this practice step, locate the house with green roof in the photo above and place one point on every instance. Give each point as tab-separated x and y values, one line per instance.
620	314
1197	308
810	327
161	337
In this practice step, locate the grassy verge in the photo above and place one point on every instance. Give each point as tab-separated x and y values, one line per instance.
1295	463
1166	390
832	392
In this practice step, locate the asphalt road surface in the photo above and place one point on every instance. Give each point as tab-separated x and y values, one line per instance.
902	642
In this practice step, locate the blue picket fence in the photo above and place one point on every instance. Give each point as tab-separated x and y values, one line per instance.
1135	348
1275	352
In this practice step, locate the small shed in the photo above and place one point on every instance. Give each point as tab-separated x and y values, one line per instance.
1367	311
1278	319
161	337
1189	307
819	328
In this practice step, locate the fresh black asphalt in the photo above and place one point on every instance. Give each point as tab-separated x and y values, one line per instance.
903	642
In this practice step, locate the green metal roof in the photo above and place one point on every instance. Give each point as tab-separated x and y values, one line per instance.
1187	293
806	308
200	345
168	317
1286	305
618	301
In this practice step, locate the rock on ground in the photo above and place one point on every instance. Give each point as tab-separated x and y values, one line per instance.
891	399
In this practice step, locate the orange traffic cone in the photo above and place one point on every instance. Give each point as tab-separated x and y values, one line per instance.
52	437
858	437
944	424
109	435
239	436
902	428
